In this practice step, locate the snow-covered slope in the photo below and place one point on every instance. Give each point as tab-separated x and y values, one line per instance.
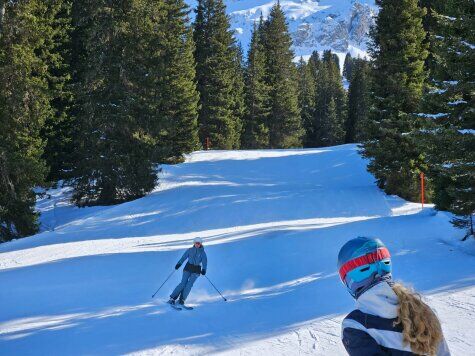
272	222
340	25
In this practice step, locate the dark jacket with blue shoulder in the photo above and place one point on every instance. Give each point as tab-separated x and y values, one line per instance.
370	329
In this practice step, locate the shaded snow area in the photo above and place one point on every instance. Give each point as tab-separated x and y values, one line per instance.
272	222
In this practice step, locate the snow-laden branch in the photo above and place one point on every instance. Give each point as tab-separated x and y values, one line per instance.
467	132
457	102
432	116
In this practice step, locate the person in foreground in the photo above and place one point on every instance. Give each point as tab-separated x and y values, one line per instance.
196	256
389	319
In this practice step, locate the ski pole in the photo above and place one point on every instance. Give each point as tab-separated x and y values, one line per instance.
215	288
163	283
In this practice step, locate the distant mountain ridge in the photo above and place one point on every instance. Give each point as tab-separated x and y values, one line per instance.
340	25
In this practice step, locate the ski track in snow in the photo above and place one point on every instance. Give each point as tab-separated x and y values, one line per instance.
272	223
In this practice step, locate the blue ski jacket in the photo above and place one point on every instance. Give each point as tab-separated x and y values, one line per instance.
370	329
195	256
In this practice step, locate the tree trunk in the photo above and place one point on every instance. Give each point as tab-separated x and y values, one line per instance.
471	225
2	13
471	232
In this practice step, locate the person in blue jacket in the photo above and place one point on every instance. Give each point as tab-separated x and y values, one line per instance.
389	319
196	265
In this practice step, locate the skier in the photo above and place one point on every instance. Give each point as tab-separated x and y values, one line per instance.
196	256
389	319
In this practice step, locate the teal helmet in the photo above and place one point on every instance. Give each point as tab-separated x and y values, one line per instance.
362	263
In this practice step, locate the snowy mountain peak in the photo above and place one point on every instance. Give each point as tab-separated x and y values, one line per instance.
340	25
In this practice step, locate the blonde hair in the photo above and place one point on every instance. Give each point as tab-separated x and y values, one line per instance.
421	327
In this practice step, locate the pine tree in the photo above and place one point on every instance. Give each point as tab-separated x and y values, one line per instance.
398	81
336	59
306	99
310	125
169	90
318	131
3	4
215	57
256	131
331	115
358	102
25	105
337	92
348	67
285	127
314	64
114	150
136	100
449	118
57	130
330	110
238	95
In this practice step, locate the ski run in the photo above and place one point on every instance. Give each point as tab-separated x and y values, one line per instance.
272	223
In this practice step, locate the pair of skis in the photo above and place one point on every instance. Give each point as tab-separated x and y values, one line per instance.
176	307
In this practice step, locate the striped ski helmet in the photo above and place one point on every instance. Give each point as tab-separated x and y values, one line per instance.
362	263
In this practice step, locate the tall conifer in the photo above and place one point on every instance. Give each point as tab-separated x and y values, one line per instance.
348	67
285	127
215	56
27	56
169	90
57	130
256	130
330	103
238	95
115	150
449	117
358	101
399	51
306	82
314	64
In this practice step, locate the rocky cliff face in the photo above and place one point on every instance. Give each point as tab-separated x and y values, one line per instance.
336	30
341	25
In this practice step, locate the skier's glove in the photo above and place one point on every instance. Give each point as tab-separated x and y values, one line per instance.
203	272
177	265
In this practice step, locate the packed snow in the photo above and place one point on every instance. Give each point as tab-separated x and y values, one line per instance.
272	222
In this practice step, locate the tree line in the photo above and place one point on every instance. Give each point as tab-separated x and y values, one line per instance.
97	94
422	112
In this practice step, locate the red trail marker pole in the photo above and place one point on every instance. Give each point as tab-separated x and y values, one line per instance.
207	143
422	189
